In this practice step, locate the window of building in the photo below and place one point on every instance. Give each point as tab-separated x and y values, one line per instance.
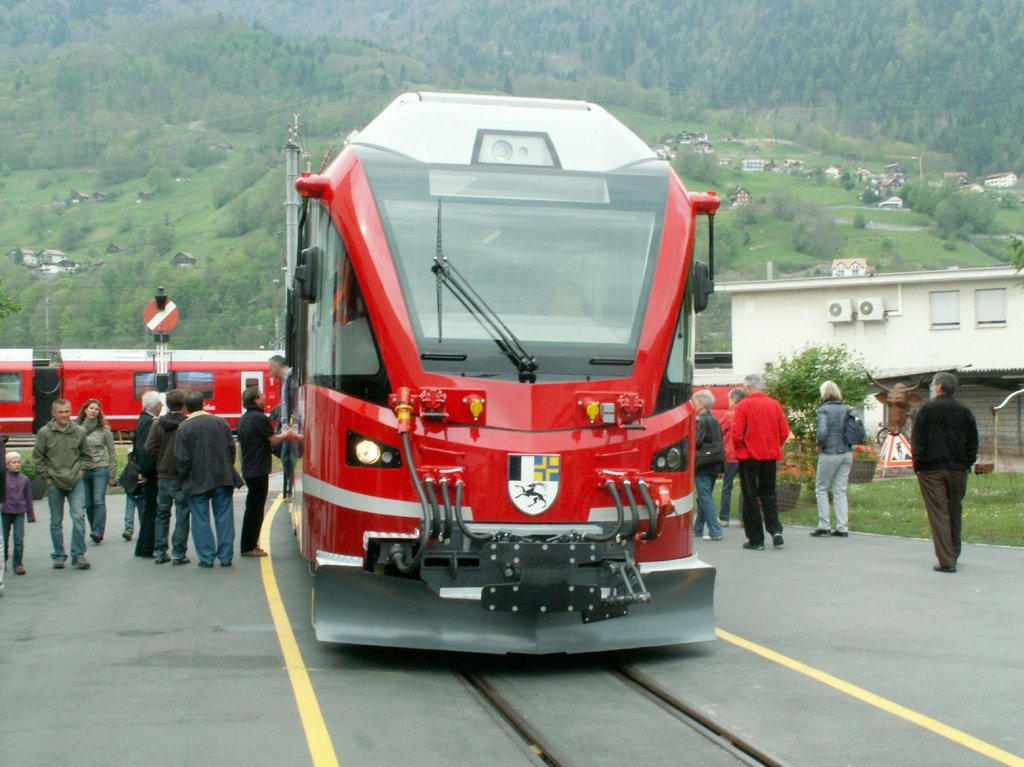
945	308
990	307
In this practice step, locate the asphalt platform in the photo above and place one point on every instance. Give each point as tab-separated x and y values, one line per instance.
830	652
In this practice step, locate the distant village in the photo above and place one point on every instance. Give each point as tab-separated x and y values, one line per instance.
879	188
50	262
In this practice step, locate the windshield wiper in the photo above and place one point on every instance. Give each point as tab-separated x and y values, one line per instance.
503	336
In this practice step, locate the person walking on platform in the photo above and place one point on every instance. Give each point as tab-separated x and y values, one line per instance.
151	407
759	431
944	446
160	449
100	469
60	455
17	508
255	438
835	458
732	465
708	462
205	452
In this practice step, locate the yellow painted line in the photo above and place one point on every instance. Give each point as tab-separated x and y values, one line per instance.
933	725
321	749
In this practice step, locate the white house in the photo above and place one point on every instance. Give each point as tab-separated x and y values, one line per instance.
849	267
891	202
904	325
1001	180
753	164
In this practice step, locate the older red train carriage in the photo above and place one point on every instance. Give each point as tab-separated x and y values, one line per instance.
30	381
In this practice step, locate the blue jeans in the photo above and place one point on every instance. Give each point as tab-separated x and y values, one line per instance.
133	503
169	491
76	502
705	484
223	521
94	482
14	523
731	470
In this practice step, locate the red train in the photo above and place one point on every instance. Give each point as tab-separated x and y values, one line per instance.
490	326
29	383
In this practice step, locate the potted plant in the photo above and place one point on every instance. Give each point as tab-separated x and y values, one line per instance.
796	469
865	458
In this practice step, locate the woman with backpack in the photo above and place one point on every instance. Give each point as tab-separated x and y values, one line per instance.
835	457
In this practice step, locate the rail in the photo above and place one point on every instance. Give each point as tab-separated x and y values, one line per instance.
542	747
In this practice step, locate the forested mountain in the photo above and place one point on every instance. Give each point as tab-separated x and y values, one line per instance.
942	73
187	101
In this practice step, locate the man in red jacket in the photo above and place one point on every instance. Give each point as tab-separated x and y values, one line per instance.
758	432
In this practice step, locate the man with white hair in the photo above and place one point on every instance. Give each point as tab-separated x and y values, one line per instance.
152	404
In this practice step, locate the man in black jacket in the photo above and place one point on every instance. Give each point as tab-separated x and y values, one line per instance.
205	452
944	444
255	438
160	449
151	407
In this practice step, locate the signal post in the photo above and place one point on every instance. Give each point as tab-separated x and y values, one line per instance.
161	316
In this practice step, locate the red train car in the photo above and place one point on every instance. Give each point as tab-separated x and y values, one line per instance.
119	377
491	336
16	399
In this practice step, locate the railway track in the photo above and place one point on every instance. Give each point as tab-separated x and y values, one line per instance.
546	750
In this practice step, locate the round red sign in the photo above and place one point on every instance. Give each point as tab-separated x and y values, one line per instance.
161	321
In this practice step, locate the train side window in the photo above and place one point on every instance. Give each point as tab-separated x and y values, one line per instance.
195	380
341	350
142	383
10	387
677	383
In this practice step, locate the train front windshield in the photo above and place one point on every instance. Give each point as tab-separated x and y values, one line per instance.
563	262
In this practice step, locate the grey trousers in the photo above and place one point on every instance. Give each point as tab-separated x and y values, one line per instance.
833	473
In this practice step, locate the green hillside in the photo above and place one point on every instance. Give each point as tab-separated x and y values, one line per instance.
116	97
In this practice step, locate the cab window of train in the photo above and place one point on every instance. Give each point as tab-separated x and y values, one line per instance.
341	352
10	387
564	261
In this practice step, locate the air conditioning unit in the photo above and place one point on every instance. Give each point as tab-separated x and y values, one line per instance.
870	309
840	310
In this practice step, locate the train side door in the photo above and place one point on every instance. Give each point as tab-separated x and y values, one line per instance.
252	378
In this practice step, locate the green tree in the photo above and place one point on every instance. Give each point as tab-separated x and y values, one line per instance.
796	380
7	306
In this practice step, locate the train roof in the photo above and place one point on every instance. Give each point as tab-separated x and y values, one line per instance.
464	129
16	355
178	355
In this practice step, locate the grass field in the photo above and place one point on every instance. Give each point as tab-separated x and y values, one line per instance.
993	509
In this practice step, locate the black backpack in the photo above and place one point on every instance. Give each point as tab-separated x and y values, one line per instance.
853	429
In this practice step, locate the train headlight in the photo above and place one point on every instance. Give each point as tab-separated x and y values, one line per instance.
515	148
672	458
363	451
367	452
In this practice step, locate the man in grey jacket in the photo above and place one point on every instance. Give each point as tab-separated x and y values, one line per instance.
205	452
60	455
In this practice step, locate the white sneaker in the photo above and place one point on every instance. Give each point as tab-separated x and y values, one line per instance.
738	523
706	537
